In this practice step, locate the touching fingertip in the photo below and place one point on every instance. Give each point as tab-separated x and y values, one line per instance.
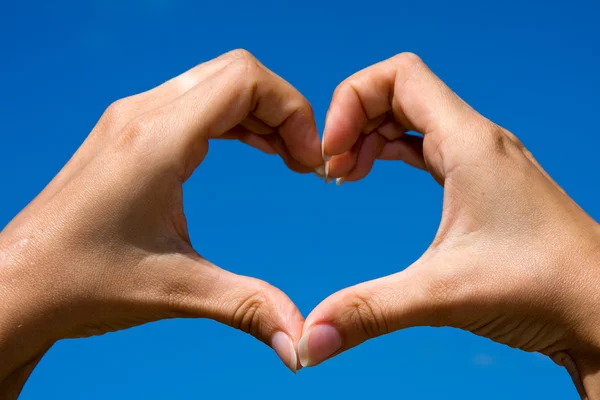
284	347
326	157
318	344
320	172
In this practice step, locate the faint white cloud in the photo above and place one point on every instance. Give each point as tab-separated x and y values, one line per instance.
483	360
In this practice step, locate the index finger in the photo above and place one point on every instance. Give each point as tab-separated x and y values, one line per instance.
224	99
404	85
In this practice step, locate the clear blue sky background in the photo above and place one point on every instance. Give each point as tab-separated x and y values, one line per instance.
531	66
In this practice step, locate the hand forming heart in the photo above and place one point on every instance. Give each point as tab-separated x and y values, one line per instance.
105	246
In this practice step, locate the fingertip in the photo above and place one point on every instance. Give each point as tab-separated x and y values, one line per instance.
283	345
408	149
301	136
342	164
318	343
260	309
326	158
277	143
344	125
369	152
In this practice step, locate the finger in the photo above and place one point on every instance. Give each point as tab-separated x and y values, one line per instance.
223	101
402	85
356	314
342	164
374	124
181	84
369	152
123	111
259	142
250	138
281	148
255	125
391	130
386	125
269	144
192	287
256	133
408	148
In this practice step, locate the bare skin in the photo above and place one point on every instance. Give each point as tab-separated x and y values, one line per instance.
514	259
106	247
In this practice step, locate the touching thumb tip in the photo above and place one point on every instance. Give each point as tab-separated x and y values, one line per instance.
284	347
318	343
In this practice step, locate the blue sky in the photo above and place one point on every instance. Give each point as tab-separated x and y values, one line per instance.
529	65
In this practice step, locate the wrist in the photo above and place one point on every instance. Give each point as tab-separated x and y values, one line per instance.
23	336
582	358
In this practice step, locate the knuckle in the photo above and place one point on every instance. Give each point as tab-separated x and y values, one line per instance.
243	71
516	141
339	88
248	312
496	140
409	68
241	54
137	129
499	142
481	144
118	107
244	61
367	313
117	111
307	108
408	61
351	83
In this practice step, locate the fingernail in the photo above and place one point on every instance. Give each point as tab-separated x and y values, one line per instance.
325	157
283	346
327	172
320	171
328	180
317	344
340	181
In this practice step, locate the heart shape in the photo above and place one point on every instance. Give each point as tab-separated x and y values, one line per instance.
110	248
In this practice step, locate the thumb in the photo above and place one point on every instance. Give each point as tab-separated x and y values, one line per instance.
195	288
368	310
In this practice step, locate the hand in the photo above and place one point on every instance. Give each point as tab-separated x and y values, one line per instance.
105	246
514	259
